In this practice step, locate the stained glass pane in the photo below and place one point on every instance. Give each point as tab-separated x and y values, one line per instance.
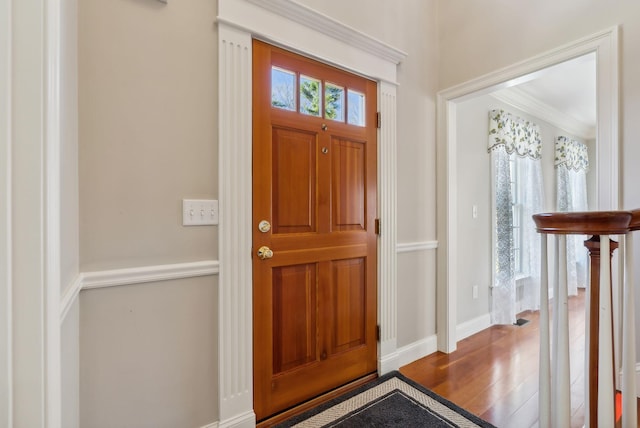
355	107
310	90
283	89
334	102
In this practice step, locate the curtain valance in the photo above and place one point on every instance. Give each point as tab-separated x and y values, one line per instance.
515	134
572	154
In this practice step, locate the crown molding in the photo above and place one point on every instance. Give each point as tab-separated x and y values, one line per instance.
521	100
135	275
321	23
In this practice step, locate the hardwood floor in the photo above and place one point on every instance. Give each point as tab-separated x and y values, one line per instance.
494	373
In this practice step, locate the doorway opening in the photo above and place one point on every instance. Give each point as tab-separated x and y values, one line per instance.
605	47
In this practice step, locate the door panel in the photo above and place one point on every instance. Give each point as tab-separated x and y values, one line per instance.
294	181
349	179
314	181
346	315
294	341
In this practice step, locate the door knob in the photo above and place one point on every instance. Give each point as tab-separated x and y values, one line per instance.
265	253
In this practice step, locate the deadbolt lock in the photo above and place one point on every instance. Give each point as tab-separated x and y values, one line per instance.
264	226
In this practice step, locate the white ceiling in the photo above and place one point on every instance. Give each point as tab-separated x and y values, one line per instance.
564	95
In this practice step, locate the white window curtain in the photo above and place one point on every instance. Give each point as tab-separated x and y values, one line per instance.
572	164
515	148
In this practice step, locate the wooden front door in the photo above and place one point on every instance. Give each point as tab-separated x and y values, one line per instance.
314	209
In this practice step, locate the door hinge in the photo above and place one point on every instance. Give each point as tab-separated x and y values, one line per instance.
378	120
377	226
378	333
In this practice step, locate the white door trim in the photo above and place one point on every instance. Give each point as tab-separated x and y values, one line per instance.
288	24
30	87
605	45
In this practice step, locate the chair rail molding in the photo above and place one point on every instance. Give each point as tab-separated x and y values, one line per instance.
133	275
410	247
296	27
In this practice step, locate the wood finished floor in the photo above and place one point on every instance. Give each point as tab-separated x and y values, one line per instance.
494	373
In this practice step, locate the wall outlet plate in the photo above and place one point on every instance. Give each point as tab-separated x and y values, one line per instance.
199	212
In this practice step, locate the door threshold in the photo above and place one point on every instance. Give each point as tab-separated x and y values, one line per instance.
314	402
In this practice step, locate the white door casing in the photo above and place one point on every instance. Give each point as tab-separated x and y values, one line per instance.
290	25
30	90
605	45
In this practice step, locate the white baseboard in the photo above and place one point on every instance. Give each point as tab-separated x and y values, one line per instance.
245	420
416	350
421	348
388	363
473	326
211	425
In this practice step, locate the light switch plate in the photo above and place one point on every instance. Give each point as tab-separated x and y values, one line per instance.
199	212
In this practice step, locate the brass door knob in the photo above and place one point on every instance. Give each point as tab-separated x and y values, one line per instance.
265	253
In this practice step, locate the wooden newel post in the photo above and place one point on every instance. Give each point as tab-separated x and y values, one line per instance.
593	245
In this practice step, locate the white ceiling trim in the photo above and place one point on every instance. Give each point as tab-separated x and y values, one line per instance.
297	28
529	104
321	23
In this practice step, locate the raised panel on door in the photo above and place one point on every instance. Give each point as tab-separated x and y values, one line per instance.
294	181
294	316
346	317
348	194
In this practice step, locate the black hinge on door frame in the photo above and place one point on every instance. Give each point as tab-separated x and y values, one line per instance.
378	333
377	226
378	120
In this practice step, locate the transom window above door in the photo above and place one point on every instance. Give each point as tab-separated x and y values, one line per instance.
299	93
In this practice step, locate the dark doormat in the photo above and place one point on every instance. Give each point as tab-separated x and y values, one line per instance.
390	401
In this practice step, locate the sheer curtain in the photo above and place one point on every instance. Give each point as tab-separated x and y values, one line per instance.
515	148
572	164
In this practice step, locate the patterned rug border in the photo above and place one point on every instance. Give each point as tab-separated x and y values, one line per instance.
342	406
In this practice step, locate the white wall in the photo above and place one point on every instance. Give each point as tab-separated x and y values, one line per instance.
148	355
147	114
71	368
147	130
69	144
69	219
417	29
27	178
5	214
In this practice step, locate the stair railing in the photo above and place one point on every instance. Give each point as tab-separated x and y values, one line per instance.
600	378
